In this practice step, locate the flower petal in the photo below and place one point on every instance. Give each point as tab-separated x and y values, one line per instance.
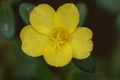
81	43
81	50
58	56
82	34
67	16
33	42
42	17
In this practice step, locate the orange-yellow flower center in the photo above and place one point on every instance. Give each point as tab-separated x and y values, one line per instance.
59	36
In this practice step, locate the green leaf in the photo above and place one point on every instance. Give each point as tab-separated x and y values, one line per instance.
112	6
43	71
7	20
83	13
87	65
24	10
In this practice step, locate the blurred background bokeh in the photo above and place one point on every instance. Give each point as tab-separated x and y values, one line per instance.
101	16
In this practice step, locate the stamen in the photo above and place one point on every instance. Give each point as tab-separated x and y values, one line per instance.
59	36
60	39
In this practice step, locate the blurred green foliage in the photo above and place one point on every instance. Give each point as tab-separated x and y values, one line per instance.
117	22
13	2
82	8
7	20
116	62
43	71
112	6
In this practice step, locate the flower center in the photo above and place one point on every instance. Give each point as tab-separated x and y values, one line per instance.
59	36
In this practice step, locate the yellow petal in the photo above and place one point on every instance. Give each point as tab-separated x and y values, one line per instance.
81	50
82	34
67	16
33	42
58	56
81	43
42	17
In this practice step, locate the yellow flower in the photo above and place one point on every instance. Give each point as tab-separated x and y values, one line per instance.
55	35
